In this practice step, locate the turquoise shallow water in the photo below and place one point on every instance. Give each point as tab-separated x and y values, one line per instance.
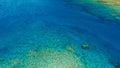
56	34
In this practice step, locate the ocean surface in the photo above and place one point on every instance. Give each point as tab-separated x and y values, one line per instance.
59	34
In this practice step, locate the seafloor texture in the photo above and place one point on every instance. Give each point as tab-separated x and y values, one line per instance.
42	45
106	9
56	34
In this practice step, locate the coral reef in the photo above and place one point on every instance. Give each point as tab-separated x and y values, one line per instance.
104	9
48	46
59	59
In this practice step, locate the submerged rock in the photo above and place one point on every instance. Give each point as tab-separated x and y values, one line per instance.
84	46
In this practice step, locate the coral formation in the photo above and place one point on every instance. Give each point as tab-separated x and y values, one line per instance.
84	46
70	48
61	59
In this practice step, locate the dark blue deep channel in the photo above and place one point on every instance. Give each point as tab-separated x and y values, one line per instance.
56	34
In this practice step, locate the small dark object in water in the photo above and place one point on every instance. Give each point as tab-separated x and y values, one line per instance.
83	54
2	60
115	63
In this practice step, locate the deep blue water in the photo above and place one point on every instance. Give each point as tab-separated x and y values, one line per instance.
36	24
